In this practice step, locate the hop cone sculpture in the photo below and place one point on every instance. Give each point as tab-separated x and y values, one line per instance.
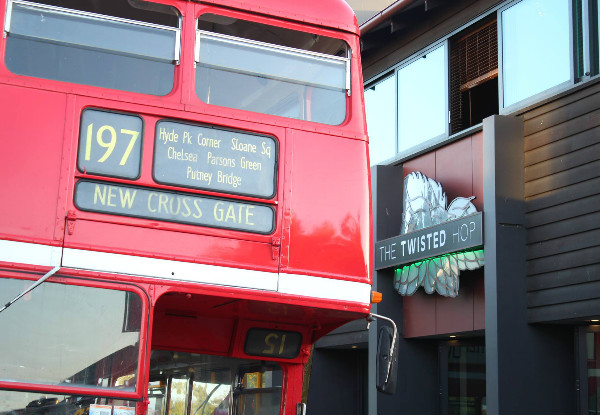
425	206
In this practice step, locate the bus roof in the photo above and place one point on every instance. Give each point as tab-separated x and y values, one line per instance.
335	14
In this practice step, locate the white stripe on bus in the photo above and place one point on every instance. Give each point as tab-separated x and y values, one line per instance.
285	283
31	254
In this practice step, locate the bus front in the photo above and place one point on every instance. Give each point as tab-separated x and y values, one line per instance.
186	187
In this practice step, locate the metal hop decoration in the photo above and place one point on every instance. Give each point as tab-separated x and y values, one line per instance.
437	274
425	206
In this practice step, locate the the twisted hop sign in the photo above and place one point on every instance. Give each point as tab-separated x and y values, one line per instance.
436	242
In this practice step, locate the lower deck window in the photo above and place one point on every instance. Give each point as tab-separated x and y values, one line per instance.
195	384
70	336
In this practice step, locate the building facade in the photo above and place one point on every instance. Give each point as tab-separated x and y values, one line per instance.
484	124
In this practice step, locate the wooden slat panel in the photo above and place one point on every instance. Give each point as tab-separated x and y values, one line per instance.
560	262
579	309
561	147
566	277
564	211
565	162
565	195
566	227
562	191
564	130
560	115
562	179
563	245
559	295
577	95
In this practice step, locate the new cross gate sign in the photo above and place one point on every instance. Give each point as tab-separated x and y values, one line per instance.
448	237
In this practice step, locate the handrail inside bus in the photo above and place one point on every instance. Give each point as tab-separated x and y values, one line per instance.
34	285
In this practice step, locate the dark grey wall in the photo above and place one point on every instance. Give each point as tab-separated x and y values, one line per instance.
338	382
562	193
529	369
417	387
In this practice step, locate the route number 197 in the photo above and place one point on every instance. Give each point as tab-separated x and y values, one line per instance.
110	144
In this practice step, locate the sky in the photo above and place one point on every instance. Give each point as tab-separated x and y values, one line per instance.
366	9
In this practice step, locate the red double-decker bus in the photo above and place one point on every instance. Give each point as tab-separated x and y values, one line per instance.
186	185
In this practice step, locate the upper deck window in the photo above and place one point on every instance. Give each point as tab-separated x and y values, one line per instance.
130	46
271	70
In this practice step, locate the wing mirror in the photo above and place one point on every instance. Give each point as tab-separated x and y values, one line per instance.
387	356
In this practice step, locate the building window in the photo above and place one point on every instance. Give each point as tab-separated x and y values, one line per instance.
522	52
422	99
591	14
473	75
594	27
593	370
380	105
536	53
466	380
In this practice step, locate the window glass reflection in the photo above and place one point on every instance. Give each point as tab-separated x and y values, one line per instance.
466	380
380	105
535	48
70	335
37	403
78	46
422	104
195	384
270	70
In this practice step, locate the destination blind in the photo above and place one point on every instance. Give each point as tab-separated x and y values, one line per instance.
210	158
173	207
185	155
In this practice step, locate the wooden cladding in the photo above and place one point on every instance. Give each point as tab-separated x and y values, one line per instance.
562	194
